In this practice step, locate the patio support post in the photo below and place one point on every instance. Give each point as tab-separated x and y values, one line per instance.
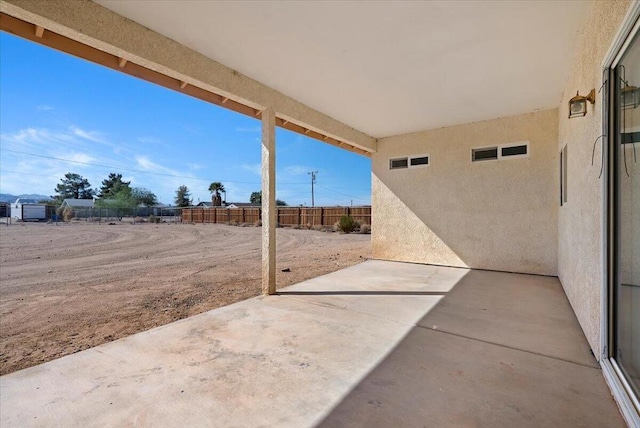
268	202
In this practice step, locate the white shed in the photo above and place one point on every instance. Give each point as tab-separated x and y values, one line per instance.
28	210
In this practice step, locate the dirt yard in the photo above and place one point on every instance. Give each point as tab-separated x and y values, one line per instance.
69	287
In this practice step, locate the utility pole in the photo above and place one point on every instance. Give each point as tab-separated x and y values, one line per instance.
313	180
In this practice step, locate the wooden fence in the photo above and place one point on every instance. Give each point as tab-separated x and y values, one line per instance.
287	216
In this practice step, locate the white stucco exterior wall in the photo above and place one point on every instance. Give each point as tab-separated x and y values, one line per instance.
498	215
580	221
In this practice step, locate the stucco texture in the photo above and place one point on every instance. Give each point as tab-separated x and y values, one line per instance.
497	215
580	243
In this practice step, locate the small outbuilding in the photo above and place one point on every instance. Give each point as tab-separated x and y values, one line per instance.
28	210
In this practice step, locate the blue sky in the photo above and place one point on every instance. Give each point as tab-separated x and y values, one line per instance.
63	109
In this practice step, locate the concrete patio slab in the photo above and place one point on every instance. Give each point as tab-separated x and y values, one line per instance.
435	379
526	312
313	352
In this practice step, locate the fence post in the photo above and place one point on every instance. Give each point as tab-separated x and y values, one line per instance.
243	218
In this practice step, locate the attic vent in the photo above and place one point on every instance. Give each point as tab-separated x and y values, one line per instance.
420	160
398	163
487	153
519	150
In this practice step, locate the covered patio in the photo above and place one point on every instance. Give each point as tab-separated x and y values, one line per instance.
378	344
478	168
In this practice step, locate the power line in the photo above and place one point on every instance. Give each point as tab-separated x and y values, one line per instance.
25	173
133	170
342	193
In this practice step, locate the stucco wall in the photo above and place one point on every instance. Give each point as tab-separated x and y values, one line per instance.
580	220
499	215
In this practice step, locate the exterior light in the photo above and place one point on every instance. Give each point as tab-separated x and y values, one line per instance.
630	97
578	104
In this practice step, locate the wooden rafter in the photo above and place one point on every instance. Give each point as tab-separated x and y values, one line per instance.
56	41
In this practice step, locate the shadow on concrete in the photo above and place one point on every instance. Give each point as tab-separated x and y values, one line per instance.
499	350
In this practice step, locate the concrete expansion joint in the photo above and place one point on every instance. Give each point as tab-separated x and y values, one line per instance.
437	330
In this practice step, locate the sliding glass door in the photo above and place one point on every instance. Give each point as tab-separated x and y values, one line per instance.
624	175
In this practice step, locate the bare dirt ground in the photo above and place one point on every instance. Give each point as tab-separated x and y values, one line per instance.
73	286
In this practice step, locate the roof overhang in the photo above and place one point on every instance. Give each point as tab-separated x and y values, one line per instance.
340	72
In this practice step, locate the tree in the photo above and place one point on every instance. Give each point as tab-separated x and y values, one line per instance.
112	185
215	189
256	198
144	197
73	186
183	197
128	197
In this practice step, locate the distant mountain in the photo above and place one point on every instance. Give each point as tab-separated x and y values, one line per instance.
6	197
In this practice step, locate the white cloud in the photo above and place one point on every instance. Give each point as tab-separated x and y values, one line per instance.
255	168
195	166
44	107
253	129
148	165
297	170
94	136
80	158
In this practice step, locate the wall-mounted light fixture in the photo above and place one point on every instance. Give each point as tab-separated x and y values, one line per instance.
578	104
630	96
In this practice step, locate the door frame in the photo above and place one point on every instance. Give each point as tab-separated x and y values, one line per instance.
623	393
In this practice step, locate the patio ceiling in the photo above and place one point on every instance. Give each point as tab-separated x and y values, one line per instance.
384	68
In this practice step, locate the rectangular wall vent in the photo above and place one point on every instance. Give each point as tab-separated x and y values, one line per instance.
486	153
419	160
504	151
510	151
399	163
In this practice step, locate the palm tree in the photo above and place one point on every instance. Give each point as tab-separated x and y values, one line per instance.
216	188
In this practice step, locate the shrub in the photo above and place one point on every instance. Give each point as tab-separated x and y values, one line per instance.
257	223
365	229
233	223
295	226
67	213
347	224
317	227
154	219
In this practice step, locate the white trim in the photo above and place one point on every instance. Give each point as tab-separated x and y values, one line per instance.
624	397
519	143
625	46
474	149
499	148
391	168
626	29
425	155
620	393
